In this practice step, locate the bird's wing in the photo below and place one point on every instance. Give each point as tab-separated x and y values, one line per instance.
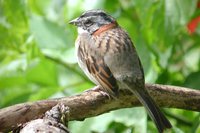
98	71
102	74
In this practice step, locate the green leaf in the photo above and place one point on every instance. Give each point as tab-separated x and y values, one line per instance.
133	118
12	81
42	72
192	80
14	95
178	12
39	6
44	93
49	35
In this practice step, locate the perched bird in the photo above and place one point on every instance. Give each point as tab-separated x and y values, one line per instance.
107	56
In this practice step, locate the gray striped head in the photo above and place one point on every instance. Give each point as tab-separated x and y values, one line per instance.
92	20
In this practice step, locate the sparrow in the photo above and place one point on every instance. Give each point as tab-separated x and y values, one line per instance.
108	57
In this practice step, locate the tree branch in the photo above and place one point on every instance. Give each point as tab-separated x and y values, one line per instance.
92	103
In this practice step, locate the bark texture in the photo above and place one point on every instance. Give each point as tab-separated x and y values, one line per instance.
92	103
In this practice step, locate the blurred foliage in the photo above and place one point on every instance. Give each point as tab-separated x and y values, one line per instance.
37	59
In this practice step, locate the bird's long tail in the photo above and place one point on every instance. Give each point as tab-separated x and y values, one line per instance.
153	110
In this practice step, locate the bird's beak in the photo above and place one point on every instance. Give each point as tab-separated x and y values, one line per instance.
74	21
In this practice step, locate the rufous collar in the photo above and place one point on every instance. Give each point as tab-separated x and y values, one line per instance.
105	28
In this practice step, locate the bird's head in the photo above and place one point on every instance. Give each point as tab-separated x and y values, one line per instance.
92	20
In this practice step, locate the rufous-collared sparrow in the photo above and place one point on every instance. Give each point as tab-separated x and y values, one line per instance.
107	56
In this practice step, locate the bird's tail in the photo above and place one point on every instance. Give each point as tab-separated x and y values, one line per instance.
153	110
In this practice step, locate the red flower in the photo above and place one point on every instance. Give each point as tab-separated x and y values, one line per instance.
192	25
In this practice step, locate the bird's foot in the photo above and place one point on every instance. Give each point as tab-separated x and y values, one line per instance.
99	89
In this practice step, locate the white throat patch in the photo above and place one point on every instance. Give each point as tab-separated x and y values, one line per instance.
81	30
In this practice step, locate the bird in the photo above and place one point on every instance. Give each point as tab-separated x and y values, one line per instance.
106	54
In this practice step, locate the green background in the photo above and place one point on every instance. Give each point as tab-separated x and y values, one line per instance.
37	59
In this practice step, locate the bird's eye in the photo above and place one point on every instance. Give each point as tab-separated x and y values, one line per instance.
88	23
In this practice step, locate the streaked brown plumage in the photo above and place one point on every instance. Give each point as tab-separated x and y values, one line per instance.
107	56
